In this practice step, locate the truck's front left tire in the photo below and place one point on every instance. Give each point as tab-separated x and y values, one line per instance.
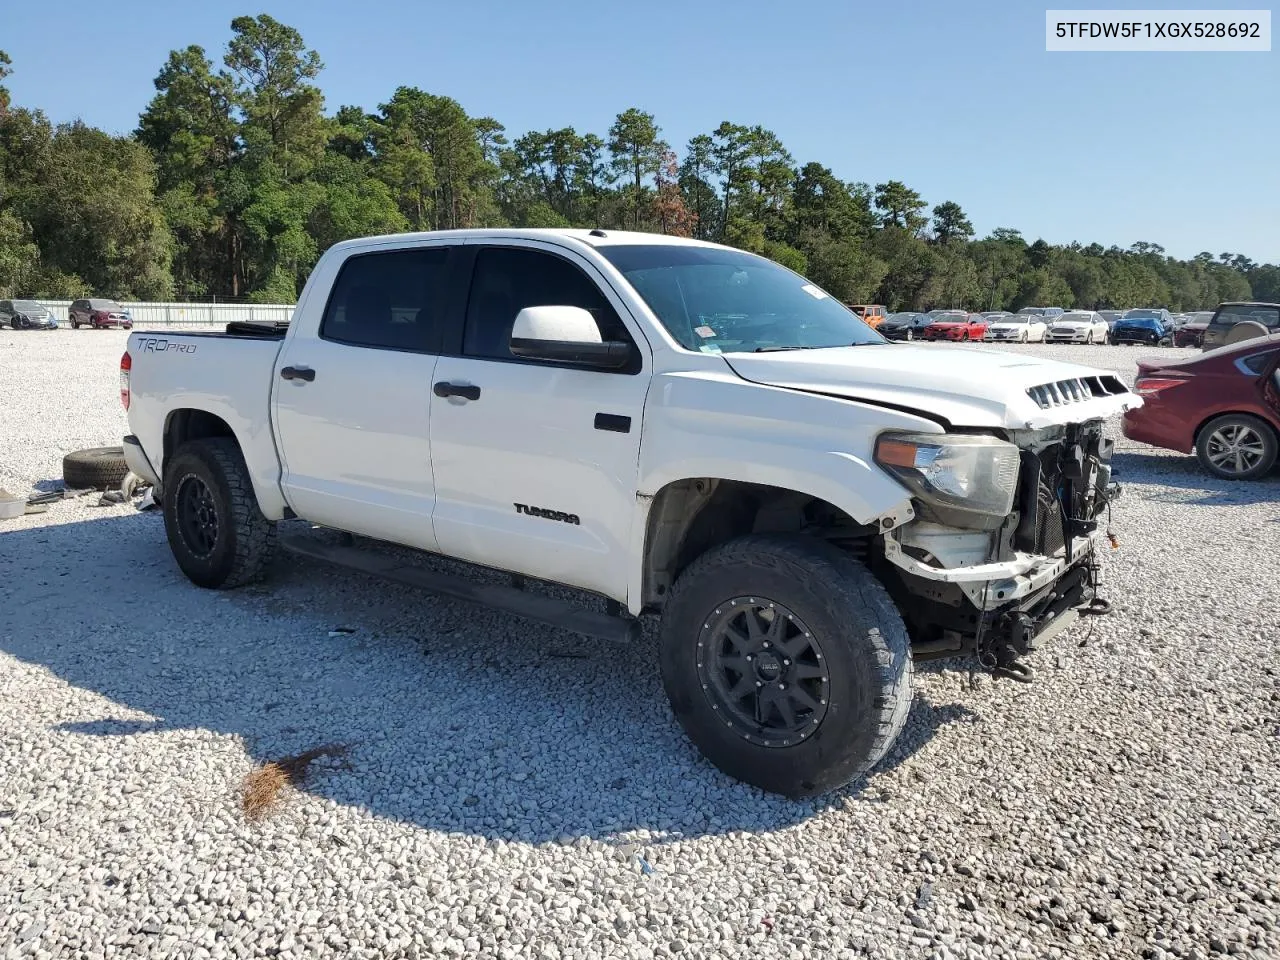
216	531
786	663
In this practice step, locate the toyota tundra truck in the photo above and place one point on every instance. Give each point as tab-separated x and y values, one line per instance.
678	428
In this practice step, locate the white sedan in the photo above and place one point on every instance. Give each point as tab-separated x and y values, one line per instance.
1019	328
1079	326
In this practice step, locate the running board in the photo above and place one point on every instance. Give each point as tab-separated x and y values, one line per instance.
530	606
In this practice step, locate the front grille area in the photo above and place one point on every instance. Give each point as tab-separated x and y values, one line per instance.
1063	392
1046	519
1051	535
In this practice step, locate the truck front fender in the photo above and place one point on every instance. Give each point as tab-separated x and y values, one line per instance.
720	427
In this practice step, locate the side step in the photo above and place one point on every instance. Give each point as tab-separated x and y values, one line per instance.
548	610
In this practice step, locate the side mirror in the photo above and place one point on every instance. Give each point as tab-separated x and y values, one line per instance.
566	334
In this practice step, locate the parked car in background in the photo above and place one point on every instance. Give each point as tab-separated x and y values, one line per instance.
907	325
1142	326
1111	316
1224	406
98	314
956	326
26	315
1044	313
994	316
1235	322
1191	333
872	314
1078	326
1015	327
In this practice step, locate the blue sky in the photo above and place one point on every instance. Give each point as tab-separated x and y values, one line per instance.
959	100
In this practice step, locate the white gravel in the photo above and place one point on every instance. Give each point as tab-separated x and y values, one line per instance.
517	792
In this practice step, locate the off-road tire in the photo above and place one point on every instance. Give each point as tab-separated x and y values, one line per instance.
862	635
98	468
245	540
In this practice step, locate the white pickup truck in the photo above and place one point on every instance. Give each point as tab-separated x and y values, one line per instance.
676	427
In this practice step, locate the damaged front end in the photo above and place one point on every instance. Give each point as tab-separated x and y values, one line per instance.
1000	587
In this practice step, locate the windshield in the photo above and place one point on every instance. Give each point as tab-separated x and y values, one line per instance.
1031	312
896	318
1013	318
1142	315
103	305
726	301
1075	318
26	305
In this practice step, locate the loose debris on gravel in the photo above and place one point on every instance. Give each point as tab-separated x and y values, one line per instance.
264	786
507	801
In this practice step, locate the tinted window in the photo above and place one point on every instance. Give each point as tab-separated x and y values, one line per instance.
1229	316
388	300
508	279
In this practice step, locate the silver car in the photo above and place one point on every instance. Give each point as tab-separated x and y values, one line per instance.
26	315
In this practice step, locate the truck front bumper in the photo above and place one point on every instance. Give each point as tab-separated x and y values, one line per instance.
990	586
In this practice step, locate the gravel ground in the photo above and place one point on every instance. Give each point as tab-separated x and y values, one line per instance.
512	791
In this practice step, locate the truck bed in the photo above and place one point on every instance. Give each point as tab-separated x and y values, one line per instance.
227	375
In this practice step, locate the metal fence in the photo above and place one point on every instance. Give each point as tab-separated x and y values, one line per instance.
188	314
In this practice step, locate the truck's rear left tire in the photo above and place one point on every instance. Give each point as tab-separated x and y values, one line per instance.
765	620
216	531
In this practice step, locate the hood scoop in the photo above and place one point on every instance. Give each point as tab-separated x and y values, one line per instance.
1063	392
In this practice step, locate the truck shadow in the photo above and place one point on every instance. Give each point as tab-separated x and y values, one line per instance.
1190	483
459	719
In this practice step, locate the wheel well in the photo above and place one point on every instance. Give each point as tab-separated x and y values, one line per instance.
1195	436
187	424
689	517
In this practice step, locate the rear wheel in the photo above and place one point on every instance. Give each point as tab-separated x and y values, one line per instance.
1237	446
216	531
786	663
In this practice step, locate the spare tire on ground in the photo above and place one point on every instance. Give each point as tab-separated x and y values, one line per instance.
101	468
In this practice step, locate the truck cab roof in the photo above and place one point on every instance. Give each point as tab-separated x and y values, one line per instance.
592	238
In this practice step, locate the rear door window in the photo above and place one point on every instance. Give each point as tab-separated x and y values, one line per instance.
390	300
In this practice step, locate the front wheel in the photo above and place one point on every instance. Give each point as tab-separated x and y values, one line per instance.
216	531
910	335
1237	446
786	663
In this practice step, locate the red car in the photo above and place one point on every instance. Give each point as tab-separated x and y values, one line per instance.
98	314
956	325
1191	334
1224	405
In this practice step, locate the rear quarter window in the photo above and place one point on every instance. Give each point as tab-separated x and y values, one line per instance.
1257	363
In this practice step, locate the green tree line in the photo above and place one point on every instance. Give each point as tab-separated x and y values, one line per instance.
237	179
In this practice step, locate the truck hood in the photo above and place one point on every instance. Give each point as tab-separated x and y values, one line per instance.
978	388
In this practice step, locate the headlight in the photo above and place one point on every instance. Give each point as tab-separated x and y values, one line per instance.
971	474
